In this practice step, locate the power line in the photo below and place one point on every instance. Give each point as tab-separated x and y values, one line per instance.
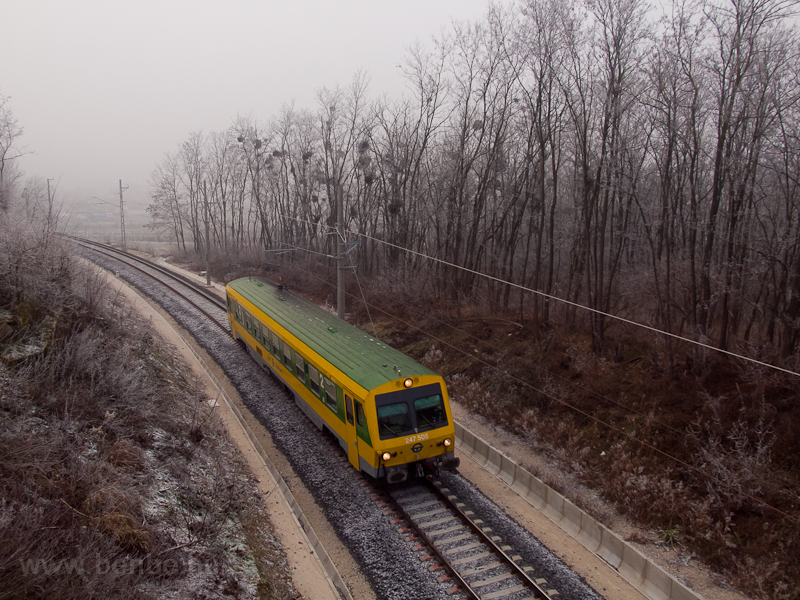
561	401
557	299
576	305
598	420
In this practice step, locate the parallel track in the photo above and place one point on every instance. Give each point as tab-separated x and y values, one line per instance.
182	286
475	560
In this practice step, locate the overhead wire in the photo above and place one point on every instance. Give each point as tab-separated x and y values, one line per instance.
576	409
582	307
547	372
561	300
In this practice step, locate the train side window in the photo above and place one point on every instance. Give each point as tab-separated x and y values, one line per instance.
348	406
247	320
360	419
287	356
313	376
300	367
276	344
330	394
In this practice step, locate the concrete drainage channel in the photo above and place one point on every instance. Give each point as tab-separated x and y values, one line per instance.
332	573
326	563
647	577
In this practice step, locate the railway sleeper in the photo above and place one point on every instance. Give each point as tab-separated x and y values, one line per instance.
496	579
482	569
504	592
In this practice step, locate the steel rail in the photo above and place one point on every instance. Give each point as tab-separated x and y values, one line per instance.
434	551
450	503
169	274
195	286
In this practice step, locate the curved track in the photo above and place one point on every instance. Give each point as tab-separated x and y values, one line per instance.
398	568
198	296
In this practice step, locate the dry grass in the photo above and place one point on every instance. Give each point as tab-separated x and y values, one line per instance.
116	480
717	500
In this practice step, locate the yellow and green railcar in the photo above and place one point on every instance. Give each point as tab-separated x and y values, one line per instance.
389	413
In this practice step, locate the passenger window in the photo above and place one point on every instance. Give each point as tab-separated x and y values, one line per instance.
330	394
300	368
287	356
313	376
348	407
276	344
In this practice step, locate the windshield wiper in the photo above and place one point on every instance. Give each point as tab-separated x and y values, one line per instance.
420	416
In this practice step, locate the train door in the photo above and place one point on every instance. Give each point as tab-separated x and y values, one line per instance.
350	425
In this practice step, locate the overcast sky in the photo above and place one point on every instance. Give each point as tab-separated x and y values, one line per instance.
103	88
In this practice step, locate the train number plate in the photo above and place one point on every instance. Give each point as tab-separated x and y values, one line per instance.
416	438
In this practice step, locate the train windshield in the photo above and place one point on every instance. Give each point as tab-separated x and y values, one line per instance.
394	420
430	412
410	411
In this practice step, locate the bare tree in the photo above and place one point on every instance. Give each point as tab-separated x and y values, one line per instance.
167	209
10	132
743	31
344	128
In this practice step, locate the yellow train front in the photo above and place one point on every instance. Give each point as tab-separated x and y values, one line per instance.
414	428
390	414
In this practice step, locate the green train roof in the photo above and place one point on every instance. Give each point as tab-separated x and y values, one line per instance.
353	352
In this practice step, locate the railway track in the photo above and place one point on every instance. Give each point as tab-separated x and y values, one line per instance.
447	553
199	297
447	534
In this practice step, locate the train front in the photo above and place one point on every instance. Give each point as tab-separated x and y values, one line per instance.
415	428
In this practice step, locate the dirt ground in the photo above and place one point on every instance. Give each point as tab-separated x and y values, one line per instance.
313	583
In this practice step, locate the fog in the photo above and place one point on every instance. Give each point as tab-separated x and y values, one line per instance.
104	89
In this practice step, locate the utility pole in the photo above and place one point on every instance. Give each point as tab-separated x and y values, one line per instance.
208	239
122	215
340	266
49	198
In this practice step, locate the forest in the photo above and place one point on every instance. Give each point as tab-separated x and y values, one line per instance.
641	165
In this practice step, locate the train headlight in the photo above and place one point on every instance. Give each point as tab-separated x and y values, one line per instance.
386	456
448	442
408	382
